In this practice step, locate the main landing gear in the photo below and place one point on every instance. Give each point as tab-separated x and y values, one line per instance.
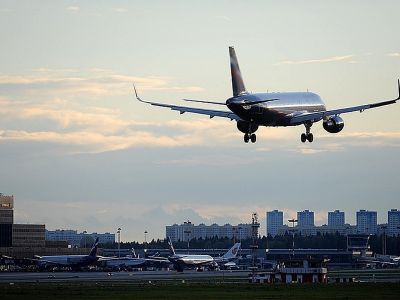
308	136
250	136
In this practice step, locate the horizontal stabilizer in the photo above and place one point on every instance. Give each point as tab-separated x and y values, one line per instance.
203	101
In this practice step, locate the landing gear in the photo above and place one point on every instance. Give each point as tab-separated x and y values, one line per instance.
308	136
250	137
249	129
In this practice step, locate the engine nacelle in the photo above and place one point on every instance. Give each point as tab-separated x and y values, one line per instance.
333	124
246	127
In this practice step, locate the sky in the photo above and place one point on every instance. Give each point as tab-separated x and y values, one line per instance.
79	152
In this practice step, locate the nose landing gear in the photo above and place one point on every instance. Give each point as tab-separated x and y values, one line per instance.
308	136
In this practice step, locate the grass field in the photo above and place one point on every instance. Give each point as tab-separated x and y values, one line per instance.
198	291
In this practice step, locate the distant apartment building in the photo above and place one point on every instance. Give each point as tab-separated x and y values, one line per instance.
305	218
76	239
188	231
366	222
393	227
336	219
274	222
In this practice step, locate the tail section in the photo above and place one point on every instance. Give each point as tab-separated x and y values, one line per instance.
232	253
237	80
171	246
93	251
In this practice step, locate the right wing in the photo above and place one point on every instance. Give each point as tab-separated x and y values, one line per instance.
313	117
182	109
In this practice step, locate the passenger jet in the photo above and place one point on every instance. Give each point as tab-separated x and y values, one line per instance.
252	110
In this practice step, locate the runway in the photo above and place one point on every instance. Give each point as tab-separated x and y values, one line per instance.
380	275
142	276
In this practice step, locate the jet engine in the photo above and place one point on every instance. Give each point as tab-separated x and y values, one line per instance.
246	127
333	124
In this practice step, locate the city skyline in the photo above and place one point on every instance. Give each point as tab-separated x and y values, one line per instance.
77	150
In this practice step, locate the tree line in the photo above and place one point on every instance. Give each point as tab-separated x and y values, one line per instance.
319	241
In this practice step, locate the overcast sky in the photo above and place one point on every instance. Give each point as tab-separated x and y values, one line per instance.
79	152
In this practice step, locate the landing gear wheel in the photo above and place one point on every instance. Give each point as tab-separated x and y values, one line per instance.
253	138
310	137
303	137
246	138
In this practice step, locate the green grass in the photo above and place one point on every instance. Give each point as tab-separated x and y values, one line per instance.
198	291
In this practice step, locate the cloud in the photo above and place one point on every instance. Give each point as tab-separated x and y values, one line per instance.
74	9
95	84
394	54
119	10
320	60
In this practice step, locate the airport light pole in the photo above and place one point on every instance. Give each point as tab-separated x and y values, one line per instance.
293	221
119	241
145	236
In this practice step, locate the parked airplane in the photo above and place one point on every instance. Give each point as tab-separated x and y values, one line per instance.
74	261
273	109
180	261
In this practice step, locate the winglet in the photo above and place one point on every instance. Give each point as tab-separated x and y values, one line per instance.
136	94
398	85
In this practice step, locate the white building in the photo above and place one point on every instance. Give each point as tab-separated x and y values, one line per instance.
305	218
274	222
77	239
336	219
188	230
393	222
366	222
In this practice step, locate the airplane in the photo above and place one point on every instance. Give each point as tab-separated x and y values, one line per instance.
180	261
252	110
133	261
228	256
74	261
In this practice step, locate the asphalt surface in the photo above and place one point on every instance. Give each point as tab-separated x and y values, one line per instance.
379	275
140	276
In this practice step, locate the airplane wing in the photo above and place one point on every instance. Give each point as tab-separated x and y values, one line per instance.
182	109
313	117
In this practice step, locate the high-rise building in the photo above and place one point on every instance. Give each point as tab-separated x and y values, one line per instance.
274	222
17	235
6	209
336	219
393	222
6	220
366	222
305	218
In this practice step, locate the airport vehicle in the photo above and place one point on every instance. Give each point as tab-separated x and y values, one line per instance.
180	261
73	261
252	110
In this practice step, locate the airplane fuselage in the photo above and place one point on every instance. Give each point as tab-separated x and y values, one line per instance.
67	260
277	112
191	260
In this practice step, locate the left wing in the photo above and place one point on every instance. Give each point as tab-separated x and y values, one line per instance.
182	109
313	117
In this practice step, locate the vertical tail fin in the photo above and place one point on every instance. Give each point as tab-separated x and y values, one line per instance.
171	247
237	80
93	251
232	253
